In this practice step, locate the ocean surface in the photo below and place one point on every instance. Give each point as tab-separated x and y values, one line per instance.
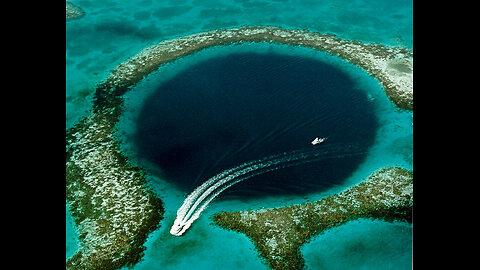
243	107
225	106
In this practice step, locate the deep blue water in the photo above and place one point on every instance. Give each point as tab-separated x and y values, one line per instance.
228	110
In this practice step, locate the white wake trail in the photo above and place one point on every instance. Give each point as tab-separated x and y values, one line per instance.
199	199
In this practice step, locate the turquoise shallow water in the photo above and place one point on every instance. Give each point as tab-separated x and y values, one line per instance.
112	31
362	244
71	235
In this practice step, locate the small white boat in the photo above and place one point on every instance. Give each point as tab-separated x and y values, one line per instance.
318	140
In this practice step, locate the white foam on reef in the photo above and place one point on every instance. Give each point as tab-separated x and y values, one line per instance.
199	199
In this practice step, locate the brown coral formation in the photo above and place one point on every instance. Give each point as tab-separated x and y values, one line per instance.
73	12
113	209
278	233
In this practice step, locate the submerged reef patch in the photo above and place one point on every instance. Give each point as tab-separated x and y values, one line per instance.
73	12
278	233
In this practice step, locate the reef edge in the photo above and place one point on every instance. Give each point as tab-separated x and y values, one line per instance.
391	66
278	233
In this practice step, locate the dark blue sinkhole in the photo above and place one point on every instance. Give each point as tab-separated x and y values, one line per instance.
228	110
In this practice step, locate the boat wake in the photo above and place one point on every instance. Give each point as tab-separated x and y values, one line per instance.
199	199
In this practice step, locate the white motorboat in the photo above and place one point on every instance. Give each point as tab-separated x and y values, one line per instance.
318	140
